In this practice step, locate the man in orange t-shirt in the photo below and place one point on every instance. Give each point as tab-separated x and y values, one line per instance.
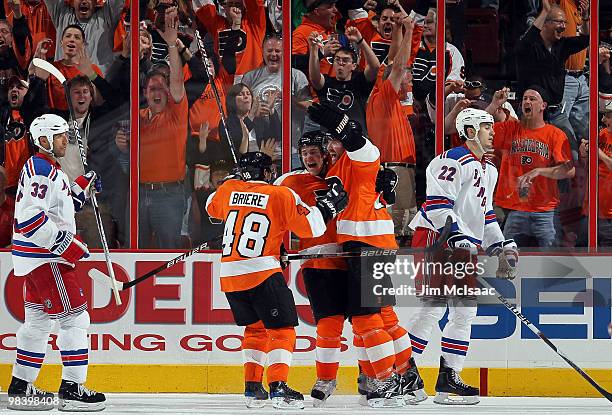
391	132
163	138
604	183
534	155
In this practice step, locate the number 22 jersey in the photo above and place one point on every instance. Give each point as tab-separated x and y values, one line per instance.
462	186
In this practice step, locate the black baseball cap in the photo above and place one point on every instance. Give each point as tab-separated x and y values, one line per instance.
313	4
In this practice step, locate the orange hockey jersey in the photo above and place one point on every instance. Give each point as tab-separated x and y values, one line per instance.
257	215
365	219
308	187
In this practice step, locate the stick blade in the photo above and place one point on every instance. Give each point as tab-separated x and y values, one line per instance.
103	279
48	66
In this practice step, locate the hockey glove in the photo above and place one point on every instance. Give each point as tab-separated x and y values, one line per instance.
70	247
386	182
328	117
80	189
332	202
507	253
457	240
284	262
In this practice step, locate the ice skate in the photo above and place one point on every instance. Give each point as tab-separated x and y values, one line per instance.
412	385
24	396
255	395
386	393
283	397
322	390
74	397
451	390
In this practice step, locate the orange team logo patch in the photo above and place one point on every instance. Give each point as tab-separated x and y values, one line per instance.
302	210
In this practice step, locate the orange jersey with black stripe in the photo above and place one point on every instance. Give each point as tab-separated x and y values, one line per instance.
206	109
388	127
364	219
14	153
257	215
308	187
248	51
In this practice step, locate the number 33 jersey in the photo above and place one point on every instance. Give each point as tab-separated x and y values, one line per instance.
462	186
257	215
43	207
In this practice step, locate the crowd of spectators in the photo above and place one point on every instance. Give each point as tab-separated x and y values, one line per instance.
375	60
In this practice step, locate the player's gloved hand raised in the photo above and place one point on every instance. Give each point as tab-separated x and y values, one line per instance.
70	247
328	117
386	182
334	201
457	240
88	181
507	253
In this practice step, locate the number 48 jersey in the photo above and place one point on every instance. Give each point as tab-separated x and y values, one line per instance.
257	215
462	186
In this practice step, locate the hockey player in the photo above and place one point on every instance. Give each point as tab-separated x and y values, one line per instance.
45	251
460	183
365	225
325	279
257	215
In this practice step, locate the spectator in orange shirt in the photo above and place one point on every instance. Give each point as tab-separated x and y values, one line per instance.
320	18
390	131
534	155
237	37
37	18
163	137
75	62
604	184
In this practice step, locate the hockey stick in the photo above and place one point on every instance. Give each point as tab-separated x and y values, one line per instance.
435	247
211	80
46	66
104	279
542	336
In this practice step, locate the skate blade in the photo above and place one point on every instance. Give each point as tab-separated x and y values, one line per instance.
74	406
255	403
318	403
415	397
444	398
281	403
394	402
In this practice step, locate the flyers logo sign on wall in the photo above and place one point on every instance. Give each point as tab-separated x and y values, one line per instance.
181	316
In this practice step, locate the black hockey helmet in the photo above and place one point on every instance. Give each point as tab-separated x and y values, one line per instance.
254	164
314	138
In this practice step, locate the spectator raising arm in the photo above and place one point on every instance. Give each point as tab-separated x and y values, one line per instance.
177	87
372	63
314	66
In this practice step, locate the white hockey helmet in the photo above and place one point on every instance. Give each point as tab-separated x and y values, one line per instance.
471	117
47	125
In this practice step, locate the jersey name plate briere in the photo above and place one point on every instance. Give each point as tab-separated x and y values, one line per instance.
257	200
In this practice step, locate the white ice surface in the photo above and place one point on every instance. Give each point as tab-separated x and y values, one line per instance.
165	403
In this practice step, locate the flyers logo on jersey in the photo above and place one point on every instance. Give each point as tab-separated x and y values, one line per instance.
526	160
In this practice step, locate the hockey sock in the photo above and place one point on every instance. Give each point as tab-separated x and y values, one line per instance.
378	344
424	318
281	343
456	334
72	342
254	351
401	341
362	357
32	339
329	331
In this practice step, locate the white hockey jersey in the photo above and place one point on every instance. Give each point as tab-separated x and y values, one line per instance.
462	186
43	208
